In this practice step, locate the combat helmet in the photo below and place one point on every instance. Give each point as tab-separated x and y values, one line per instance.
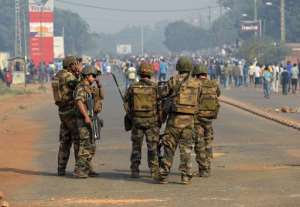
200	69
68	61
89	70
146	69
184	64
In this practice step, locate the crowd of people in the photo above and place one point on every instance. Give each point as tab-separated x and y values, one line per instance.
160	67
271	78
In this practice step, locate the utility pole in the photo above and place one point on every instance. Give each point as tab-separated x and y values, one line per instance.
142	40
18	29
255	10
209	16
25	31
282	21
255	14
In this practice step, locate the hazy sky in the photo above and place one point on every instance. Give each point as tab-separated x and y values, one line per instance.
109	21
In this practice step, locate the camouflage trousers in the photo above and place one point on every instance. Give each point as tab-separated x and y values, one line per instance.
152	138
68	135
87	148
184	139
203	144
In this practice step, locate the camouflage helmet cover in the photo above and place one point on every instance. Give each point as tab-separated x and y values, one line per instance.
90	70
184	64
68	61
200	69
146	69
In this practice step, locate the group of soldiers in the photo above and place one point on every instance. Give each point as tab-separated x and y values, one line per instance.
187	103
78	95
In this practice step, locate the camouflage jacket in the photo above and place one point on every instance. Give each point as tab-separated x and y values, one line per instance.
83	90
139	121
68	83
198	118
179	120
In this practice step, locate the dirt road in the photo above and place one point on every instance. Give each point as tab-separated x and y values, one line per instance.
257	163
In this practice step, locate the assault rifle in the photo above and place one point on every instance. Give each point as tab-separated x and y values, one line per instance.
127	118
97	123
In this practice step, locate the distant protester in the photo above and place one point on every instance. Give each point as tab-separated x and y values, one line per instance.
294	77
267	80
8	78
285	81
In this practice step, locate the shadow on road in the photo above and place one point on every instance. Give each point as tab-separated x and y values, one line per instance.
143	172
27	172
124	177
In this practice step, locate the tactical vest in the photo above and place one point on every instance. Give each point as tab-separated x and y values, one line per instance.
62	93
186	99
209	103
144	101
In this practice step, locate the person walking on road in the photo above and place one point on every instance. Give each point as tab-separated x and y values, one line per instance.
276	81
284	81
130	75
236	75
8	78
267	80
163	69
294	77
257	76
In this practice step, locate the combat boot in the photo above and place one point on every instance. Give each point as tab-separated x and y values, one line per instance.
163	180
204	173
92	172
186	179
135	174
61	172
79	174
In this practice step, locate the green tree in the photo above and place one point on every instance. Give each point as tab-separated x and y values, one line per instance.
181	36
7	32
76	30
265	51
270	15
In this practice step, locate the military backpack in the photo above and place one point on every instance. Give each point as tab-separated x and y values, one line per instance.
186	99
208	103
62	93
56	89
144	103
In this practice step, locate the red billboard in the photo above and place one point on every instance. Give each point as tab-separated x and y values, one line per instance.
41	31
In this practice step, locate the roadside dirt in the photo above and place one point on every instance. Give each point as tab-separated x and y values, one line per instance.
18	133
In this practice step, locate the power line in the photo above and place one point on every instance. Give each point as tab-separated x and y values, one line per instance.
133	10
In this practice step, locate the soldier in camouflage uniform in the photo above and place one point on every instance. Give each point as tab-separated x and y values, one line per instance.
184	92
87	147
63	85
141	100
204	134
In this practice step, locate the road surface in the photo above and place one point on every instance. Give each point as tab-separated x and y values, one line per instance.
257	163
